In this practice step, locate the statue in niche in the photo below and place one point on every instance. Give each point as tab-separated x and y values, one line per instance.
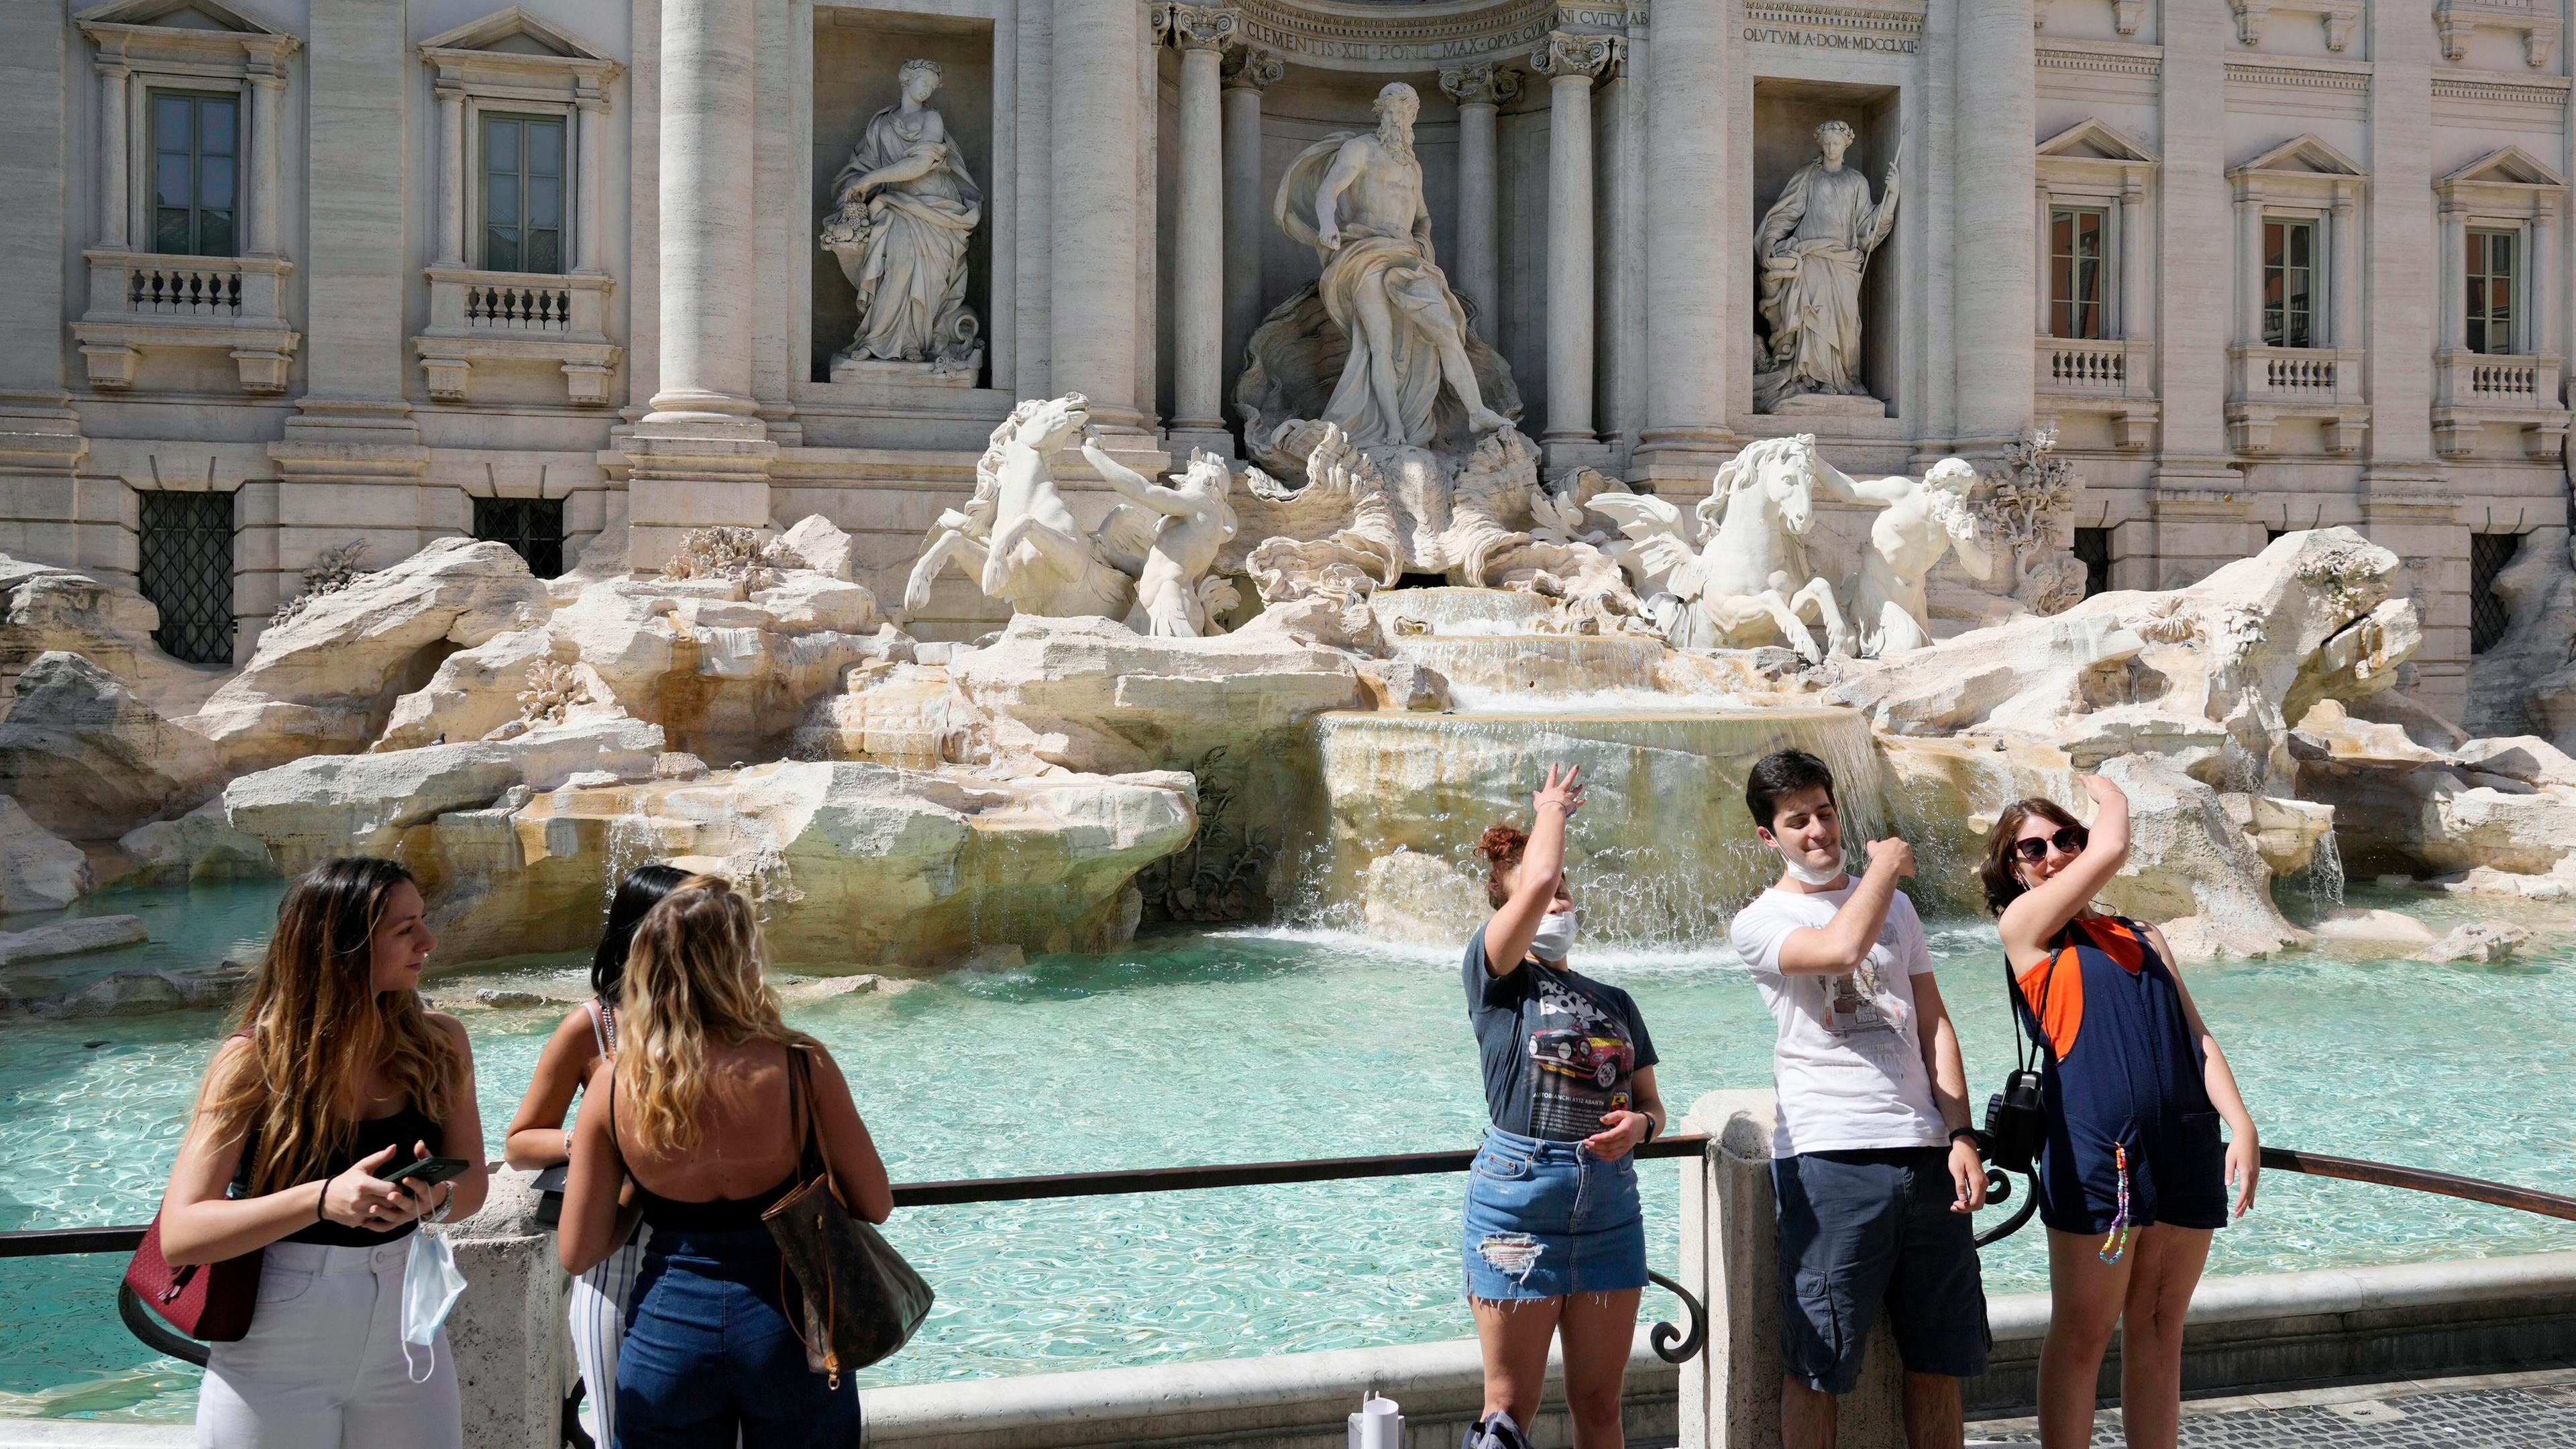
1382	322
1814	246
1919	521
1176	595
904	207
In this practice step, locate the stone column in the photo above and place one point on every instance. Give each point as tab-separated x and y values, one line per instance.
40	436
1248	72
1691	223
700	457
1996	173
1570	62
2452	284
2044	321
1098	78
2249	267
113	154
2538	254
451	173
2133	262
267	98
1480	90
1200	34
590	228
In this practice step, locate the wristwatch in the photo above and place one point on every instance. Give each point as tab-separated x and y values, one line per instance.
1975	1138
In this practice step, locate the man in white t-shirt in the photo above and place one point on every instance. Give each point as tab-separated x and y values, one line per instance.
1874	1166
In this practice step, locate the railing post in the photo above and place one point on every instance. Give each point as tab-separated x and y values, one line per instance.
508	1328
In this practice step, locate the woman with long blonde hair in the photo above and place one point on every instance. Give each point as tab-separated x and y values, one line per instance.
335	1075
707	1102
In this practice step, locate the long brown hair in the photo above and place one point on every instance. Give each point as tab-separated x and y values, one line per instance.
693	979
1997	872
317	1024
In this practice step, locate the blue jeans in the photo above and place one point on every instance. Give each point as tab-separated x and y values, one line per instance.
1545	1219
710	1354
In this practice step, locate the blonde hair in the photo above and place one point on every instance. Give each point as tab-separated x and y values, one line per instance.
316	1025
693	980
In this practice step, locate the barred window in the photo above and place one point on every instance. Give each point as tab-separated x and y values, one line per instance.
532	526
2488	555
187	572
2093	550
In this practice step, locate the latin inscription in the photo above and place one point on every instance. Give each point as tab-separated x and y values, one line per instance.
1833	39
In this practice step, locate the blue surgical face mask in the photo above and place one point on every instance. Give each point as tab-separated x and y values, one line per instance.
431	1286
1555	936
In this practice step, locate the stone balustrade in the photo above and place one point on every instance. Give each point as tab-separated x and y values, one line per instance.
2473	390
2267	385
517	317
143	302
2113	376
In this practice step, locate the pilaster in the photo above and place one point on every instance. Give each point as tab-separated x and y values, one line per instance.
1247	73
1481	91
1200	33
1096	120
1995	174
1690	224
1571	62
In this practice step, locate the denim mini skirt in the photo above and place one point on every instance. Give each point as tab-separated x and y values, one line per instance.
1548	1219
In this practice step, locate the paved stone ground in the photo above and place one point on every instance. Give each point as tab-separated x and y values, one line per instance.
2522	1411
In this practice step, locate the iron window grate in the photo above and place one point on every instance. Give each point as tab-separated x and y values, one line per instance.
2488	555
186	542
532	526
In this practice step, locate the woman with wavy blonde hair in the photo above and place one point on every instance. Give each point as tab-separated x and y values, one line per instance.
334	1073
707	1102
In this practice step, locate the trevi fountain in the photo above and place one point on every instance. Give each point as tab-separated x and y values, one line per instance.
1208	798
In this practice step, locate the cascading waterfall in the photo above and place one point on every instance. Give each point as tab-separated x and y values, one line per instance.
2318	885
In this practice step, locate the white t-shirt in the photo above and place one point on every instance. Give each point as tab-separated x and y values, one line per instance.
1849	1062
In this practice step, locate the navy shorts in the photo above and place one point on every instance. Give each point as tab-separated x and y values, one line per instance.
2177	1176
1861	1228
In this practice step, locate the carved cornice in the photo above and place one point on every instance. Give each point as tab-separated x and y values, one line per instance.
1250	68
2102	59
2541	92
1356	35
1819	15
1482	83
1195	27
2298	77
1563	54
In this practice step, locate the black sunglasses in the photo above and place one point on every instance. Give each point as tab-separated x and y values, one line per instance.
2069	840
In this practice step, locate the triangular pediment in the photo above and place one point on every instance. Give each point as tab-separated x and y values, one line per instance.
2303	153
512	32
2095	140
174	15
2512	166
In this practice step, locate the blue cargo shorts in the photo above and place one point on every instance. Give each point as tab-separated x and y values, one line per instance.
1862	1228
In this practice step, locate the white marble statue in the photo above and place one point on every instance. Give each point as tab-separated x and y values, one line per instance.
1749	582
1919	520
1814	245
1020	542
1357	200
1176	594
904	208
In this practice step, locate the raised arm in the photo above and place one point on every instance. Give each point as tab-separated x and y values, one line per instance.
1842	944
1508	934
536	1138
1134	486
2038	914
1881	491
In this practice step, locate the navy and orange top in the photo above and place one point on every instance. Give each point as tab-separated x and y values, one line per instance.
2132	1137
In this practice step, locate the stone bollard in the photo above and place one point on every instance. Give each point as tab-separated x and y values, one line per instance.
507	1330
1731	1260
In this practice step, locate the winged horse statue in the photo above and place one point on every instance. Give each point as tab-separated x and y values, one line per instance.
1744	582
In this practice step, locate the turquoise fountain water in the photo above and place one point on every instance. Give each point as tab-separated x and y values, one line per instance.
1263	1045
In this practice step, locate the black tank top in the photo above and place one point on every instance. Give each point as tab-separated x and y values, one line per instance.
720	1215
374	1134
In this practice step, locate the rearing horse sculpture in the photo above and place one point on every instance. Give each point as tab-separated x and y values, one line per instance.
1749	583
1020	542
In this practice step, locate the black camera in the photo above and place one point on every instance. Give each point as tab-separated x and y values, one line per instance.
2015	1125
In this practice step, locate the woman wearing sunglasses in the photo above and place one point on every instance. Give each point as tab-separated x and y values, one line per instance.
2133	1177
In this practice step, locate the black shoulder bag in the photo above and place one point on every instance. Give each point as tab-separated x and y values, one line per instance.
2015	1123
862	1300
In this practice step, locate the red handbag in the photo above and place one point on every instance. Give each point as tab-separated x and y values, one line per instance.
209	1301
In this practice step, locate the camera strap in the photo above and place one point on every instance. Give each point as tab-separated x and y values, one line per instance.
2029	1041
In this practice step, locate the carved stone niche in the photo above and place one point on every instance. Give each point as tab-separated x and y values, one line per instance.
1786	114
858	59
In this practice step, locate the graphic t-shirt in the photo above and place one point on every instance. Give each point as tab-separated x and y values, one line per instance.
1848	1064
1559	1048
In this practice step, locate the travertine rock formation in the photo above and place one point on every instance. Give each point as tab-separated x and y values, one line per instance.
91	761
38	870
44	608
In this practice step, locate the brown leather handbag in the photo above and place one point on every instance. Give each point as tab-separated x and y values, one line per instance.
862	1300
208	1301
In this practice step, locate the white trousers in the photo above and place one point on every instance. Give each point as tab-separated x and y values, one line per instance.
597	1306
322	1366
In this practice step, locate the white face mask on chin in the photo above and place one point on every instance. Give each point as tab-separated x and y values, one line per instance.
1555	936
1807	874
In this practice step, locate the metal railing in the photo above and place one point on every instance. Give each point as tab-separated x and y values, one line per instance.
1672	1344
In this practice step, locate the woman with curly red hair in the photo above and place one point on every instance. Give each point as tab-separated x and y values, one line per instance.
1555	1243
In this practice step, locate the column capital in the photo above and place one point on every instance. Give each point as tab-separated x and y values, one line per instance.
1481	84
111	65
1565	53
1250	68
1194	27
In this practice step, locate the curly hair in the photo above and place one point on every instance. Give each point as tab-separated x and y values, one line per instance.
1502	847
693	981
